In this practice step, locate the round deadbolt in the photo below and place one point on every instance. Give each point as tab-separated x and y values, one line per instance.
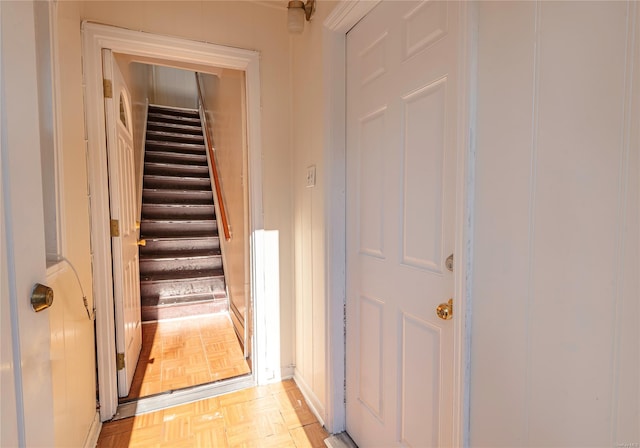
41	297
445	310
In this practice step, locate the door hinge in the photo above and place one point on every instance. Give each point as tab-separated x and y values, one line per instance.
115	227
107	88
119	361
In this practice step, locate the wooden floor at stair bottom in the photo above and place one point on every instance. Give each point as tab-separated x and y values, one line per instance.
264	416
186	352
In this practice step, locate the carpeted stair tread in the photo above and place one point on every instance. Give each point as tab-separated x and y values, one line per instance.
162	136
174	110
176	158
176	169
180	254
174	182
173	127
183	276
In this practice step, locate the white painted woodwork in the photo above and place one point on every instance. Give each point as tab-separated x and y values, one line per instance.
402	112
123	208
556	323
328	151
72	348
28	411
8	409
139	80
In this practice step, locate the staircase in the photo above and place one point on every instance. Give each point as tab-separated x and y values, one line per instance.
181	265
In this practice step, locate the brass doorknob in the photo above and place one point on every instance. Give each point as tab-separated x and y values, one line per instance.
142	242
445	310
41	297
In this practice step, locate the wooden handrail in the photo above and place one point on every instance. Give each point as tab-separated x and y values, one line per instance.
214	167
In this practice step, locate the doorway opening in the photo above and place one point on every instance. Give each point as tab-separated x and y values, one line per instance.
261	299
189	154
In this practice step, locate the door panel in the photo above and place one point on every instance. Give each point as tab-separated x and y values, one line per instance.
122	199
401	142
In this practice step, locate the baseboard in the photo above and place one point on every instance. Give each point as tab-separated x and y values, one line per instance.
314	404
286	373
94	432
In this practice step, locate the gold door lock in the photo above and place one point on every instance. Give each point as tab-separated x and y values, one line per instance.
445	310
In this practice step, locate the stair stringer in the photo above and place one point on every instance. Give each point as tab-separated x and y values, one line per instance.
216	206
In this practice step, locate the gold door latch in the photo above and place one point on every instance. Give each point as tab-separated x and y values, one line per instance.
445	310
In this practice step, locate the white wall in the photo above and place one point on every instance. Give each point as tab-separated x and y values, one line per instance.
224	97
308	140
555	332
174	87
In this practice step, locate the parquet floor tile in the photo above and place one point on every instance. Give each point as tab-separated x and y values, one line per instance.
186	352
260	417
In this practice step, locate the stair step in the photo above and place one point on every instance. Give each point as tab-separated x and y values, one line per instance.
173	146
176	119
163	287
181	264
180	261
175	254
190	276
176	158
174	169
178	228
159	244
177	211
174	182
177	299
174	127
172	110
184	309
181	137
166	196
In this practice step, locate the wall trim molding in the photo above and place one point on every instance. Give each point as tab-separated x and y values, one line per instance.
343	17
94	432
312	400
95	37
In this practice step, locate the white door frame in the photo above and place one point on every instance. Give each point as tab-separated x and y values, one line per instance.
344	16
146	45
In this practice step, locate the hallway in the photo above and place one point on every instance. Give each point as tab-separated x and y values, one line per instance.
186	352
265	416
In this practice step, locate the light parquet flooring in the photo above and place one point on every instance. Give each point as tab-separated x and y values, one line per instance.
186	352
264	416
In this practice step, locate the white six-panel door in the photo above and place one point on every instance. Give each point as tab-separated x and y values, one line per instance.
401	158
122	195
